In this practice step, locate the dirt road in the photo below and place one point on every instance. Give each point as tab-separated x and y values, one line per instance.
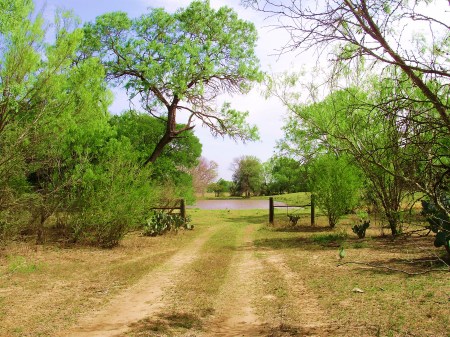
231	276
246	302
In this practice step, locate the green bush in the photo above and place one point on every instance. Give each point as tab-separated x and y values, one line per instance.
113	197
336	185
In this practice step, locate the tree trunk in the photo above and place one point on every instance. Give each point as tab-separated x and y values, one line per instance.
166	139
393	223
447	248
40	229
169	135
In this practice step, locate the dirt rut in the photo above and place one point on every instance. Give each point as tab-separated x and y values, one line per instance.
310	319
142	300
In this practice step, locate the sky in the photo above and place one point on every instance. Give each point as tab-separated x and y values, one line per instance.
267	114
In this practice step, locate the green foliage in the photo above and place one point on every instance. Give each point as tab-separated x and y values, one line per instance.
171	169
180	62
59	155
219	187
325	239
360	229
113	197
336	184
351	121
160	223
285	175
247	176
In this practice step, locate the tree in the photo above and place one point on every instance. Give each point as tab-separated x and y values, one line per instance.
180	63
47	105
349	121
336	185
219	187
374	31
361	35
287	175
172	170
60	160
247	176
203	174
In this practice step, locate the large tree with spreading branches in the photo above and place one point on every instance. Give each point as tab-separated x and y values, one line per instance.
180	63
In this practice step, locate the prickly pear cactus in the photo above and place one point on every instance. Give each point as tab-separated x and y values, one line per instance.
360	229
439	222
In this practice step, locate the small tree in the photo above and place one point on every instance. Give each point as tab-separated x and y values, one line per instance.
247	176
219	187
287	175
336	183
203	175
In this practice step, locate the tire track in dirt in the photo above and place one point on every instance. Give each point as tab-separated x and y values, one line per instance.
235	314
143	299
310	320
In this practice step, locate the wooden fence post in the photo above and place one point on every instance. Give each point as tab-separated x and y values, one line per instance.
183	209
271	210
312	210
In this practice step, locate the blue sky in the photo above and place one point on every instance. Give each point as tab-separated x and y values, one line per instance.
266	114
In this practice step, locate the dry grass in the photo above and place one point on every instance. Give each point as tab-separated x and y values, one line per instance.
393	303
43	289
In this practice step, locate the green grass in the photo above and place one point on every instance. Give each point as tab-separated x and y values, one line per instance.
19	264
299	198
326	239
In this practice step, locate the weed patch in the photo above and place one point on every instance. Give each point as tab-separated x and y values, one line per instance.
168	324
19	264
328	239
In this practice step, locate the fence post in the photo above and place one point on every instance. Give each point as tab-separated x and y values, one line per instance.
312	210
271	210
183	209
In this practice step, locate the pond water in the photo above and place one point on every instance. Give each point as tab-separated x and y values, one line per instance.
234	204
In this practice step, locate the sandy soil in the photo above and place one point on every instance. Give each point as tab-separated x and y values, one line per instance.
140	301
229	277
235	308
310	320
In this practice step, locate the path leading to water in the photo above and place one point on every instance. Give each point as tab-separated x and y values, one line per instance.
240	306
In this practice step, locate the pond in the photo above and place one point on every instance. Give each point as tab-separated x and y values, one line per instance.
234	204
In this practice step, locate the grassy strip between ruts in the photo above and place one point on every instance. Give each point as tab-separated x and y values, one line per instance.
193	296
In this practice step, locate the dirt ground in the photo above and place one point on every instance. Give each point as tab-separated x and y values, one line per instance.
223	279
235	305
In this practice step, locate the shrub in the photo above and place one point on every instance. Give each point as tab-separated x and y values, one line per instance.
335	183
